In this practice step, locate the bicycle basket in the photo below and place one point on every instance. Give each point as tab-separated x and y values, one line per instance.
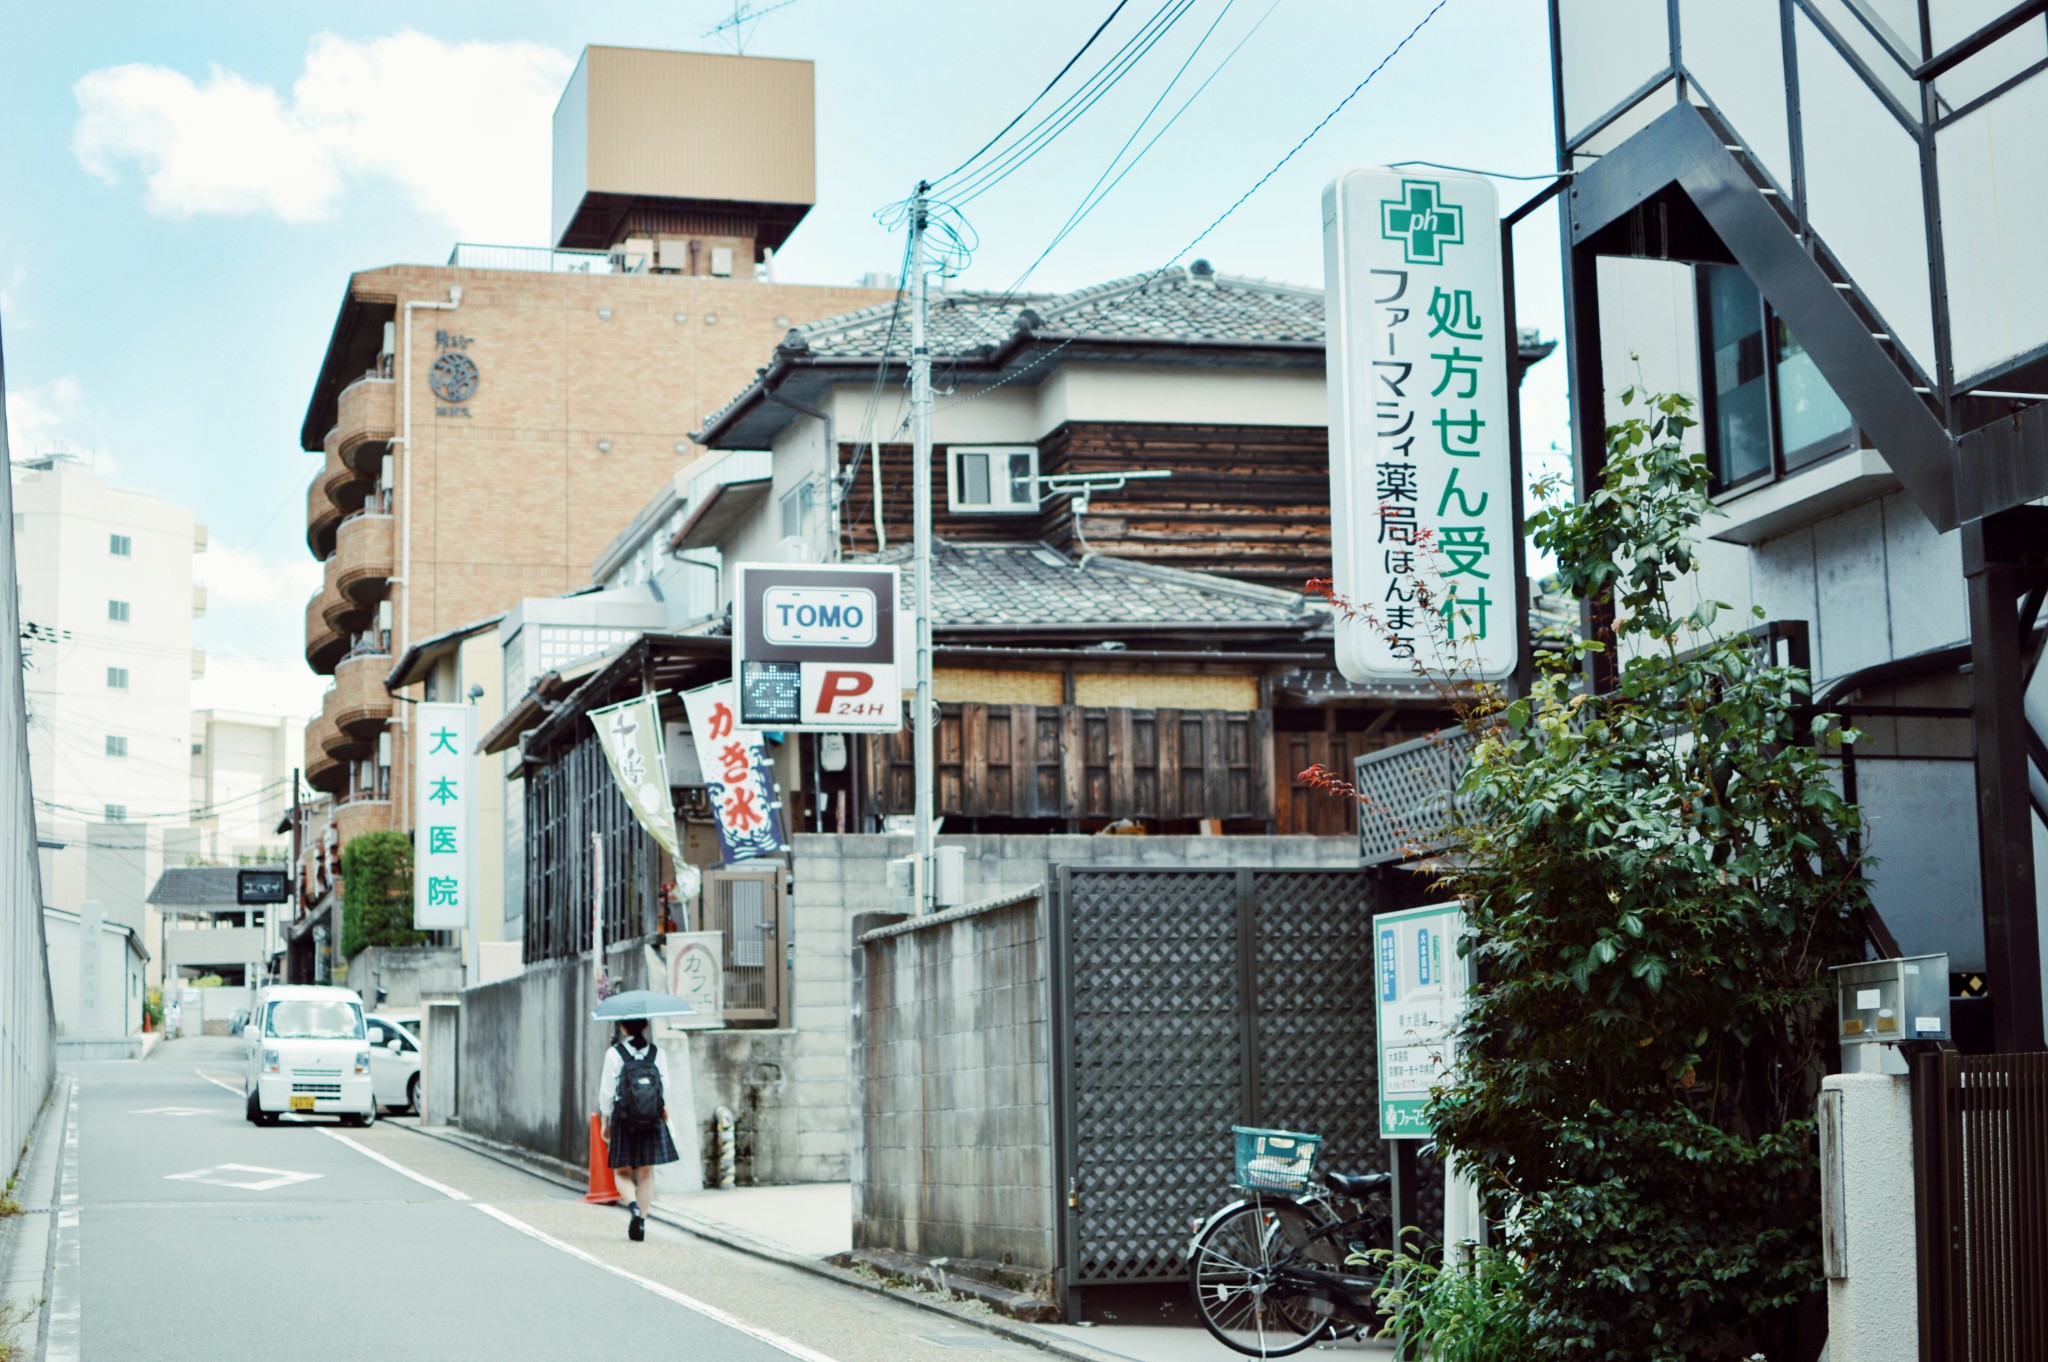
1275	1160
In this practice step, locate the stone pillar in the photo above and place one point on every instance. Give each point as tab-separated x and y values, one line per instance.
440	1054
1867	1217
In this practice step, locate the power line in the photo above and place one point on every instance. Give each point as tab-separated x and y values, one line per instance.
1070	110
1040	95
1091	201
1222	217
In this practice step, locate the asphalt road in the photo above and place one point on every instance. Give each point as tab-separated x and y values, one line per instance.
193	1234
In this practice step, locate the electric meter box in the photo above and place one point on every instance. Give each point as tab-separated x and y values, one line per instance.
1888	1002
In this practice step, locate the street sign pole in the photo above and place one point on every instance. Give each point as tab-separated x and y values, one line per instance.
921	554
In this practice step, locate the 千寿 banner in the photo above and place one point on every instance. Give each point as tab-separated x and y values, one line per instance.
445	816
1422	494
631	736
737	774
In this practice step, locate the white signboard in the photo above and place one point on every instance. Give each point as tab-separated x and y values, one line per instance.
1419	983
1422	497
445	798
696	974
814	648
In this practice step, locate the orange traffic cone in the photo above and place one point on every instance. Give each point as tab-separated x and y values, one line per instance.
604	1187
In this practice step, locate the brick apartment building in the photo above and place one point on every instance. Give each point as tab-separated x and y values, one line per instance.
488	426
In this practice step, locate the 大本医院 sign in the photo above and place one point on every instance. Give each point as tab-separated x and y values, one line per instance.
1422	491
814	648
445	799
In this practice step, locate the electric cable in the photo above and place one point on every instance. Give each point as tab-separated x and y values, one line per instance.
1146	281
1047	130
1057	78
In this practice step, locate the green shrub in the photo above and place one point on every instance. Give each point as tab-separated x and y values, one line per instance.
1657	884
1478	1311
376	898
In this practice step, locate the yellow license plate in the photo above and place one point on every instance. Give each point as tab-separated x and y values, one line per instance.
301	1103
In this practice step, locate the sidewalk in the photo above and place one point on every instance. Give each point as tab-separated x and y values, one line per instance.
802	1225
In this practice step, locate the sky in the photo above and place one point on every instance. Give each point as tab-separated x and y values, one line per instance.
185	189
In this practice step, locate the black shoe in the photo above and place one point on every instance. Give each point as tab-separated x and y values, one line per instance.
633	1208
637	1230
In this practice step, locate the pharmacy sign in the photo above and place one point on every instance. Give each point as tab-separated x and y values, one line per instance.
1422	489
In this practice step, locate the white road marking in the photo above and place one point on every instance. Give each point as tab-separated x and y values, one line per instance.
220	1083
172	1111
226	1175
710	1312
421	1178
61	1344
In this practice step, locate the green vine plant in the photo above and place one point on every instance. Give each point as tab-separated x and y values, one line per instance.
1656	881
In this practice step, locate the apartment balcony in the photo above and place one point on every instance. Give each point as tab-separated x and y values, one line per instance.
325	644
361	705
325	771
337	491
362	813
365	419
343	614
365	548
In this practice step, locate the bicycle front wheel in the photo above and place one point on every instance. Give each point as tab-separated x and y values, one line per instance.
1238	1270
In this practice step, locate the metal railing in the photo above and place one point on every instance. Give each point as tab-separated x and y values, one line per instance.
533	259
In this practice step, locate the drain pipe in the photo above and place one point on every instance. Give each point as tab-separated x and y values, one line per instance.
728	1163
404	639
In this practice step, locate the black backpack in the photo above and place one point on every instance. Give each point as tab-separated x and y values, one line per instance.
640	1100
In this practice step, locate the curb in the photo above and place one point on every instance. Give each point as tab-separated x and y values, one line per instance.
34	1230
739	1241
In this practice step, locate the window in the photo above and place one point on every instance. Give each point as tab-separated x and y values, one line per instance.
117	813
117	678
117	611
120	545
1002	480
796	509
1767	410
117	746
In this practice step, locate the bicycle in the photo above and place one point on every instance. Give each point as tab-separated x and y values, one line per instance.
1269	1270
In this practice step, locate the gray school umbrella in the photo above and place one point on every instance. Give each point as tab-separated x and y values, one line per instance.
641	1002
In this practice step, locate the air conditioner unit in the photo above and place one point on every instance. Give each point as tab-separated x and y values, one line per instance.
721	261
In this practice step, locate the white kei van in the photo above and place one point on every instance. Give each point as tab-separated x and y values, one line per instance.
308	1051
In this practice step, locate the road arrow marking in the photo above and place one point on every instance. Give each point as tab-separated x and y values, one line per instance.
246	1176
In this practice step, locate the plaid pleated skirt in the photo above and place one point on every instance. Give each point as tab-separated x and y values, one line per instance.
642	1147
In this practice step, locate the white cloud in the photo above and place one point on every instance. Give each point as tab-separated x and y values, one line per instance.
235	576
43	418
463	128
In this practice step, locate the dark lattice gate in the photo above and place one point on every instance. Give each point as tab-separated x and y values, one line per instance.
1187	1001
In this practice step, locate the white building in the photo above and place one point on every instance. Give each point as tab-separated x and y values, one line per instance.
108	600
248	737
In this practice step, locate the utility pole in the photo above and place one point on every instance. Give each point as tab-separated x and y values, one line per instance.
921	552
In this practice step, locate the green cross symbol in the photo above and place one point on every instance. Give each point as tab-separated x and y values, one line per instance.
1422	222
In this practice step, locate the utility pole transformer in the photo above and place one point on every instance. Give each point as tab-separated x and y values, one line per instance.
921	714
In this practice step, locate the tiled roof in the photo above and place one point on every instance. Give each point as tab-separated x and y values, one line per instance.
987	588
1178	305
201	886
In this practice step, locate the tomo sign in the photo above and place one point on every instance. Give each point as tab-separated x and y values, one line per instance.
814	648
796	617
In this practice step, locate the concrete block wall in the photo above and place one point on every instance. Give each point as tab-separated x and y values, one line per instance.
406	973
839	878
952	1087
530	1055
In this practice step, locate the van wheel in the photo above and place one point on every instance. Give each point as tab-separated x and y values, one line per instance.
252	1112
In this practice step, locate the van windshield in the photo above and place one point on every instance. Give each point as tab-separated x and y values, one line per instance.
307	1019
